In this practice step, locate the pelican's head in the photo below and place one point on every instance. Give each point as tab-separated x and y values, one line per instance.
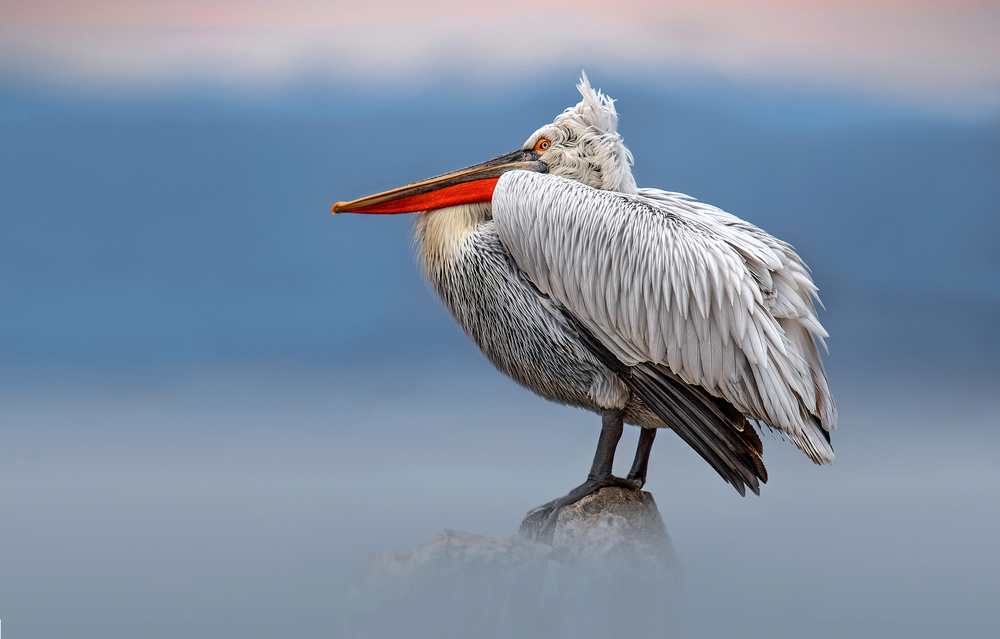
583	144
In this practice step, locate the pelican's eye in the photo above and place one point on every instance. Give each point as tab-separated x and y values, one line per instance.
543	145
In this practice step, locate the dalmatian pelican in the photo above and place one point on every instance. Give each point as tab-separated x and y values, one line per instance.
644	306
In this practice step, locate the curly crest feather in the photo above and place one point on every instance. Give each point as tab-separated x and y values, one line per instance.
595	110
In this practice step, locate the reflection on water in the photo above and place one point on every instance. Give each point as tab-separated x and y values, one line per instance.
236	506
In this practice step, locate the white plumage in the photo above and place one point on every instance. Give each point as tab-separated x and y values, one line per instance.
659	277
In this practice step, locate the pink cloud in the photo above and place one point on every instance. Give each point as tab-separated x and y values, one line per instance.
933	51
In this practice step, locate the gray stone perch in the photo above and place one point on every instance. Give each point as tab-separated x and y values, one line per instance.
612	524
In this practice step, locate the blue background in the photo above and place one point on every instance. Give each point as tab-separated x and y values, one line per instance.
217	399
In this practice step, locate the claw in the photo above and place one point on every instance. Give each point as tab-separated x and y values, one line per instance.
636	481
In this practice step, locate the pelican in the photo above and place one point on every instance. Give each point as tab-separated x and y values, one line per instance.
644	306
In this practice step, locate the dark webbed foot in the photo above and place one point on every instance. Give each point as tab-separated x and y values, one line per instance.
600	473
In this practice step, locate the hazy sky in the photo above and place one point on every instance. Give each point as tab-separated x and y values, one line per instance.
939	52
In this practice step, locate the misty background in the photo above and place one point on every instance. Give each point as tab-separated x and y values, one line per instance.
218	400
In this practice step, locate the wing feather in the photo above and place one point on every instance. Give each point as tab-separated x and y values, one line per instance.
662	279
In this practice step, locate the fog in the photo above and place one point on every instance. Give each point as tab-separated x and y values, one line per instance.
236	504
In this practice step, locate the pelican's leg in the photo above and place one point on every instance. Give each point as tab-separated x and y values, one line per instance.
600	475
638	472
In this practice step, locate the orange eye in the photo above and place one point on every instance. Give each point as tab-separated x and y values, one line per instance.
543	145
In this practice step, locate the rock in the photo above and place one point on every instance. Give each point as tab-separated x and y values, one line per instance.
456	585
449	552
613	524
611	571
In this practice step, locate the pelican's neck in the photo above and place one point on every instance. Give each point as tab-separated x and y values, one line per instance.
442	235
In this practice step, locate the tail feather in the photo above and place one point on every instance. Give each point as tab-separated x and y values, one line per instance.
671	411
722	440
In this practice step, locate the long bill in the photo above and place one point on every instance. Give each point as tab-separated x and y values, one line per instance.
465	186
